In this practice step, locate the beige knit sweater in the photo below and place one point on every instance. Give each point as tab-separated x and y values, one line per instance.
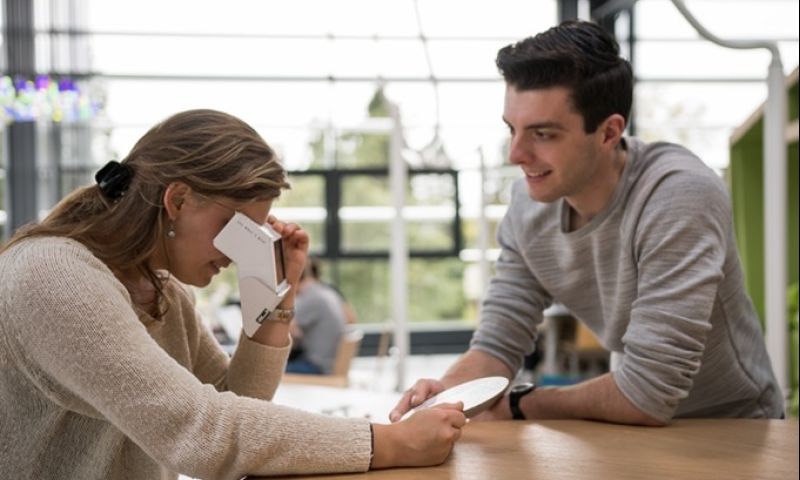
89	389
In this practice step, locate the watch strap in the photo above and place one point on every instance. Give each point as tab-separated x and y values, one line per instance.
514	398
281	315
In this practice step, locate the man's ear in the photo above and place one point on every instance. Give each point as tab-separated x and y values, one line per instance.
175	196
612	129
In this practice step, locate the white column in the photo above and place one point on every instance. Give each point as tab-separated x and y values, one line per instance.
398	252
483	237
775	223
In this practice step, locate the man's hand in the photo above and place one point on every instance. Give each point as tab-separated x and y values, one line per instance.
414	396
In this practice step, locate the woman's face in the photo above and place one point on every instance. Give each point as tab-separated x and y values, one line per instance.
192	257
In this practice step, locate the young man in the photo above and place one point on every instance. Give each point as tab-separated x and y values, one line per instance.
635	239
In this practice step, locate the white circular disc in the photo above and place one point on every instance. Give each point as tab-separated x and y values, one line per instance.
476	394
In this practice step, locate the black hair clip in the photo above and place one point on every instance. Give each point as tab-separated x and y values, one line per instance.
114	179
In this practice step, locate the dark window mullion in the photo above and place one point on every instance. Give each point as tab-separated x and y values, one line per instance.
333	201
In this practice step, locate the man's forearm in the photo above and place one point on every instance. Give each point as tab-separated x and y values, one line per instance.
595	399
475	364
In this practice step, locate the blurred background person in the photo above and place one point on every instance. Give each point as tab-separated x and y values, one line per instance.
319	323
350	315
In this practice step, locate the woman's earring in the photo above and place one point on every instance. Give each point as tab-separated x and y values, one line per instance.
171	231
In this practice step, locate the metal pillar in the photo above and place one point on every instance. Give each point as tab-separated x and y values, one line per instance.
21	152
567	10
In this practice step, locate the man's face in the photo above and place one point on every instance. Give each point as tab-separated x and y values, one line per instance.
548	143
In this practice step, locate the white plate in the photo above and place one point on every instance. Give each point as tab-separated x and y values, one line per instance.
476	394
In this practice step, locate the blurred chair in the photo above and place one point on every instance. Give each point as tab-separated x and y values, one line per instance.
557	320
340	376
586	348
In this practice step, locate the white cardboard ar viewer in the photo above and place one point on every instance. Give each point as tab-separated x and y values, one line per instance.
257	251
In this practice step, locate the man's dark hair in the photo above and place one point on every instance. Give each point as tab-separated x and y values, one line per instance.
579	56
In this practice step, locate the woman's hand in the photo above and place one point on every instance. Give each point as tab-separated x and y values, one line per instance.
295	248
426	438
295	251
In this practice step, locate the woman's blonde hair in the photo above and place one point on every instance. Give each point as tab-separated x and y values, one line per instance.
214	153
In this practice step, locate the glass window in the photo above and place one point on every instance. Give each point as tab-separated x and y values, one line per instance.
700	117
435	289
304	204
359	150
366	213
685	84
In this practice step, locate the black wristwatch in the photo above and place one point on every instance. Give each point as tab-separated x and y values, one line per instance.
515	395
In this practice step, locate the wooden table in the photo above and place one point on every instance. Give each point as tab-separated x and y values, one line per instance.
573	449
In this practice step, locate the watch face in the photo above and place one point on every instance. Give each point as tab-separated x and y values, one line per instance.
522	388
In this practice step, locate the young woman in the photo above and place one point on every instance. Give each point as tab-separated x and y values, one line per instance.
106	370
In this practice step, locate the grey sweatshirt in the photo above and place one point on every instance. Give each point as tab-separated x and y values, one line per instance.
656	276
320	315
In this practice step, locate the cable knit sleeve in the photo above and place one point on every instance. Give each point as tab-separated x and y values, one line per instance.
254	371
73	332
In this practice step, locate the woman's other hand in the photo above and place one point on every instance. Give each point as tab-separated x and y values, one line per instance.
426	438
295	248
